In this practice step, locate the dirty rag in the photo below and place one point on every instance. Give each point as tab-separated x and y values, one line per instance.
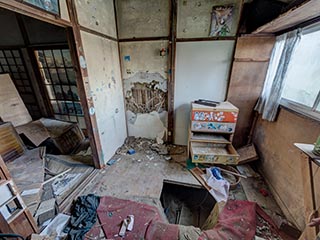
220	187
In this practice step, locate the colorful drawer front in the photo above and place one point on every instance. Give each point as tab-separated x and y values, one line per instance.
214	116
213	153
213	127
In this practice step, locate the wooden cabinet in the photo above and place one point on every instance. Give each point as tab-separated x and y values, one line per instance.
211	133
14	215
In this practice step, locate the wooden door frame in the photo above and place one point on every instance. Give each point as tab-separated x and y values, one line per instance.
76	51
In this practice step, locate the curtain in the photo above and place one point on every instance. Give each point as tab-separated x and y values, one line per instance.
270	97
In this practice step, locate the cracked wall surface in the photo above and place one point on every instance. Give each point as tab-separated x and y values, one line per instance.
145	75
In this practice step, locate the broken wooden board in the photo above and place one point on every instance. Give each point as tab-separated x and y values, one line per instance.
198	173
28	173
12	108
247	154
11	145
35	131
65	135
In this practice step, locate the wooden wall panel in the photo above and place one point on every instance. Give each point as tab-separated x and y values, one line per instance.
280	160
246	80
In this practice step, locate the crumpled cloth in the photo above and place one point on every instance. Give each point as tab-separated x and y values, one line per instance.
219	187
83	216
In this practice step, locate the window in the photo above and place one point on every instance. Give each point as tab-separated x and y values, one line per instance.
302	81
60	82
11	61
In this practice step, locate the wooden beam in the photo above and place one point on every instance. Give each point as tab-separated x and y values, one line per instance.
172	69
143	39
33	12
227	38
308	10
85	29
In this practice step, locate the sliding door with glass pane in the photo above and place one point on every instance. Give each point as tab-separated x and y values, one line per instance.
60	82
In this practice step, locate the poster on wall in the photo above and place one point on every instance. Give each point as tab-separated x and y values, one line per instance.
221	21
48	5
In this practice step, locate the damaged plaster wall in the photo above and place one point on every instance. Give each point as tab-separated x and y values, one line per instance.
97	15
102	61
141	18
145	75
194	17
202	70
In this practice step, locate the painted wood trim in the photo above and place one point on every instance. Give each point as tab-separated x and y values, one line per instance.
94	32
30	11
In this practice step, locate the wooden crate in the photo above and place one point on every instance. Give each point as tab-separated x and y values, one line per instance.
213	153
65	135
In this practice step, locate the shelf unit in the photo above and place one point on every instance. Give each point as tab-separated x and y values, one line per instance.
14	215
211	133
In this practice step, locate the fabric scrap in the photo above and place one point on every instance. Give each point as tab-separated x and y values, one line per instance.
148	223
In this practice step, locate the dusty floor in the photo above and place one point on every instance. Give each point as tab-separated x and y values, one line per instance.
141	174
140	177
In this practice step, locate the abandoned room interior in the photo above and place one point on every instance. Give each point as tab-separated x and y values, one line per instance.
159	119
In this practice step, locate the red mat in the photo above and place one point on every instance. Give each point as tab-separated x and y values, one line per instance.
236	221
148	223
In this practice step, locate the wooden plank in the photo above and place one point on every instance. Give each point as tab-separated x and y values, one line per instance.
198	173
307	149
11	146
12	108
35	131
308	10
246	81
306	171
254	48
28	170
247	154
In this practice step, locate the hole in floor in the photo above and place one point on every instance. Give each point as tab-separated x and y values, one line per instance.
186	205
